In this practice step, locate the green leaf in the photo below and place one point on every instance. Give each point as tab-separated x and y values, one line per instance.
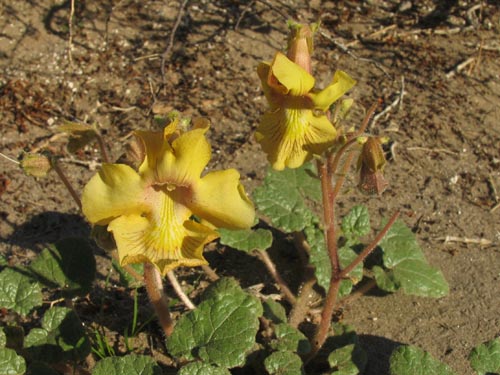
318	256
200	368
283	363
3	338
11	363
385	279
221	330
19	292
346	355
126	278
131	364
3	261
410	360
274	311
348	360
69	265
356	223
246	239
485	359
410	270
346	257
289	338
282	197
61	337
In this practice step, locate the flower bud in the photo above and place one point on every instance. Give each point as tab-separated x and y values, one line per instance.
36	165
300	45
371	164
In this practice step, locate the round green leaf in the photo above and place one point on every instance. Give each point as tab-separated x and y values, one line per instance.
11	363
221	331
283	363
131	364
68	264
246	239
200	368
18	292
486	358
410	360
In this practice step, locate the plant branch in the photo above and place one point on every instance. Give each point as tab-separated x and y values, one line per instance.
154	287
371	246
211	274
66	182
301	307
178	290
283	287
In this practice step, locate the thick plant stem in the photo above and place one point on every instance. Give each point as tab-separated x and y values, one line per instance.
283	287
154	287
306	293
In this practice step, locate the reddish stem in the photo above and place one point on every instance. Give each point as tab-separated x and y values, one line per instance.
154	287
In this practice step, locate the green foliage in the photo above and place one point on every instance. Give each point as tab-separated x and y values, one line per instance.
246	239
131	364
410	360
19	292
68	265
61	338
126	278
282	197
407	266
274	311
221	331
200	368
356	223
283	363
485	359
11	363
290	339
346	355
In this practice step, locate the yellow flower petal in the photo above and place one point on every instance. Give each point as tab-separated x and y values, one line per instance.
290	137
162	237
189	156
291	76
273	98
116	190
220	199
341	83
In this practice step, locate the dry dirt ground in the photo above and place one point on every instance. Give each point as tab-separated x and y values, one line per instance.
441	58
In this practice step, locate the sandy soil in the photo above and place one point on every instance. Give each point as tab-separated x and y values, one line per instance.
440	57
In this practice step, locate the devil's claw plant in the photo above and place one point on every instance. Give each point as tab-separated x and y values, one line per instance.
157	212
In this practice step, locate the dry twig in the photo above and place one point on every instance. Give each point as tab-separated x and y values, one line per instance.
168	50
479	241
394	104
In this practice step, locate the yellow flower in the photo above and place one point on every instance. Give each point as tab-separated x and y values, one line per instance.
152	213
296	126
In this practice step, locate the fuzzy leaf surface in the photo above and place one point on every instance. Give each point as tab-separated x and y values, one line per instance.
318	256
68	264
485	358
200	368
282	197
289	338
274	311
131	364
356	223
346	355
410	270
11	363
283	363
410	360
61	337
221	331
246	239
19	292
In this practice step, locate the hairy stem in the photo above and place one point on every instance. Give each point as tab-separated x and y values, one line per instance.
211	274
178	290
271	268
154	287
306	293
66	182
